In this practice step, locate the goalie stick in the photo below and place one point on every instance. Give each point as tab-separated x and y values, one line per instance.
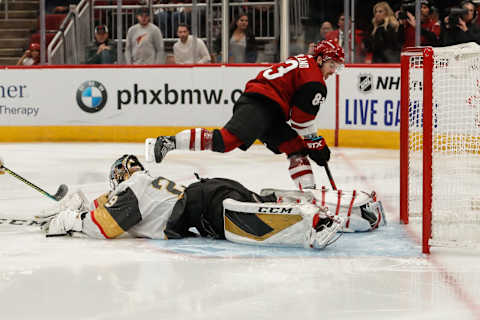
22	222
61	191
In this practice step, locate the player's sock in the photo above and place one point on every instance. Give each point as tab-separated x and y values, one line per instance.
196	139
301	172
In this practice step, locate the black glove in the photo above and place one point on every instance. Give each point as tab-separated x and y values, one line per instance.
318	150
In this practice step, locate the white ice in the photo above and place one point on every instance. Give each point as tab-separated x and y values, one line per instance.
381	275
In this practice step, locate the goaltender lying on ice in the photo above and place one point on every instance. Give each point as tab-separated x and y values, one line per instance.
157	208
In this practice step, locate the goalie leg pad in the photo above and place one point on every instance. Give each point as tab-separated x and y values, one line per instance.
361	211
279	224
289	196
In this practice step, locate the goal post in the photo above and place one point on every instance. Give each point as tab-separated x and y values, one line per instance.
440	144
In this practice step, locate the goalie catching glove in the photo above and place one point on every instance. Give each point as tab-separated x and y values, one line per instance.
64	223
317	150
66	216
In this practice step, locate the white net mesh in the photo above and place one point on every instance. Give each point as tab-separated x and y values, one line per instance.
455	144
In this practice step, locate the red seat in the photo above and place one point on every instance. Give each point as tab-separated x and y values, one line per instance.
52	21
35	38
100	14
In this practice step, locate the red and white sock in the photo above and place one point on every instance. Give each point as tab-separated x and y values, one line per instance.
196	139
301	172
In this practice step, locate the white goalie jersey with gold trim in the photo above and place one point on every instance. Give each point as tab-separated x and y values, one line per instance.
140	206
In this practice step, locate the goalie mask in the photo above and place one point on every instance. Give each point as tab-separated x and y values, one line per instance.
123	168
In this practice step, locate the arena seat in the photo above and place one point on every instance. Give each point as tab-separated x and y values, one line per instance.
52	21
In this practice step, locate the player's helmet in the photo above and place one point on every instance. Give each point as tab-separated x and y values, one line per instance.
329	50
123	168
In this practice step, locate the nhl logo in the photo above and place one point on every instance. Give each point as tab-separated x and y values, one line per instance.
365	82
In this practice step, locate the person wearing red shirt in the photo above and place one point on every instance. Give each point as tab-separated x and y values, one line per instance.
337	35
278	107
430	28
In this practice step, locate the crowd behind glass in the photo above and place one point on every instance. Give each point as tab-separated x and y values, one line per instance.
382	30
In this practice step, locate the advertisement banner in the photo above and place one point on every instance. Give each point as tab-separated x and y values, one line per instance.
183	96
370	99
121	96
128	103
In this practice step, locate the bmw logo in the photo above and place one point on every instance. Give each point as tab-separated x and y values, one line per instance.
91	96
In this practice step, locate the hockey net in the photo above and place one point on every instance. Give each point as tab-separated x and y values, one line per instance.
440	144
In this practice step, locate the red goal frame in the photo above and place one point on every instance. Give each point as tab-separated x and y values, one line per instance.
427	65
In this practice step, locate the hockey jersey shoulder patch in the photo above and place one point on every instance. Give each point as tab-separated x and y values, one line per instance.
118	215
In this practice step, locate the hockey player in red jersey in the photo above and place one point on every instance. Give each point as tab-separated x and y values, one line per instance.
278	107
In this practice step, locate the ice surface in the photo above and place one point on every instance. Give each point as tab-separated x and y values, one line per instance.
379	275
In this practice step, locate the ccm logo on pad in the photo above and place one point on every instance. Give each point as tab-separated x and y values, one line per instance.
274	210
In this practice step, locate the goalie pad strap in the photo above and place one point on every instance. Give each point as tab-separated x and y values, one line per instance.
324	190
339	200
354	195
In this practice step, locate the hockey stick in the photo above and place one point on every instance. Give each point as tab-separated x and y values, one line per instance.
329	175
61	191
22	222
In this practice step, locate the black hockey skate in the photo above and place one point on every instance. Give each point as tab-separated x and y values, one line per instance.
156	149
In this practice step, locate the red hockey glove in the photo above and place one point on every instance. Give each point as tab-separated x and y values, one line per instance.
318	150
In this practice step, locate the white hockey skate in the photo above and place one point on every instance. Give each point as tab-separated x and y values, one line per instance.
156	149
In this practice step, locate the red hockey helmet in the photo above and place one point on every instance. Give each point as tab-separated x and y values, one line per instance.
34	47
329	50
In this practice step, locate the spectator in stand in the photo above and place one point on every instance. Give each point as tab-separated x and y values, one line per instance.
183	48
168	19
102	50
430	28
163	18
242	46
337	35
325	28
464	27
31	56
144	41
386	38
